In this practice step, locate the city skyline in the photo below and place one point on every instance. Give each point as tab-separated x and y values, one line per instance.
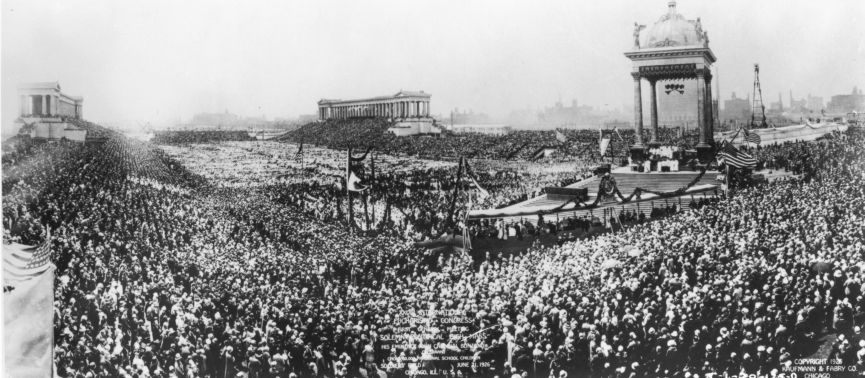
157	62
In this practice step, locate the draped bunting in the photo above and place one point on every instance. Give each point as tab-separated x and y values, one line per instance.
637	193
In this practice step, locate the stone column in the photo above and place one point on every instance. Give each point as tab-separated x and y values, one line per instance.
654	113
44	106
701	108
638	110
710	112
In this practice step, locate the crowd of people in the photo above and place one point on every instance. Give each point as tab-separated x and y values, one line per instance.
183	137
161	272
578	144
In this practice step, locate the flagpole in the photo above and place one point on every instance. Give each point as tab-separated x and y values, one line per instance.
350	212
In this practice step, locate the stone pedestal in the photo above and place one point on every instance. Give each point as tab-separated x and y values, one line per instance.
704	153
638	153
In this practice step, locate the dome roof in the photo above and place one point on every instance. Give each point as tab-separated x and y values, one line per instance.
673	30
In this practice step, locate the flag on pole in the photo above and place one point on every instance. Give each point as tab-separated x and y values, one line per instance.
561	137
473	177
354	182
480	189
604	143
28	296
355	179
752	137
616	129
298	156
739	159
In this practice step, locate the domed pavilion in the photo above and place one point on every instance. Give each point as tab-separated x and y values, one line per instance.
672	49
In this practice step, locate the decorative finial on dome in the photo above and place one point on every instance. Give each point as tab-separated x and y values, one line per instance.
672	6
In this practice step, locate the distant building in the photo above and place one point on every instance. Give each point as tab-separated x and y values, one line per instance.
800	106
854	101
410	111
49	114
777	107
402	105
523	117
46	99
565	115
737	108
815	103
469	117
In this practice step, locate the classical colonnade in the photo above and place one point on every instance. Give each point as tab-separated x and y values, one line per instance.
49	105
46	99
390	107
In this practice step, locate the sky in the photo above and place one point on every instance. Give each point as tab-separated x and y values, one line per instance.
160	62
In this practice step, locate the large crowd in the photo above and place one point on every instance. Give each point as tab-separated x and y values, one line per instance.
183	137
161	272
578	144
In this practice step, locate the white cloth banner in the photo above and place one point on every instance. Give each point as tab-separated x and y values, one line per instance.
604	143
29	327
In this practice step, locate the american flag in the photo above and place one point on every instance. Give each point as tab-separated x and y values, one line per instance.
736	158
751	137
23	262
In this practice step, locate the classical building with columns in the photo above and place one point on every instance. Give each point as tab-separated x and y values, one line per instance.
45	112
46	99
665	54
402	105
410	111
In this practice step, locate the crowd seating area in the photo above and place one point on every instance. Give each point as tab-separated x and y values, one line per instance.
199	136
163	273
582	144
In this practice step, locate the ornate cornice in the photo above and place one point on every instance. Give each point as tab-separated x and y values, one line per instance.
669	53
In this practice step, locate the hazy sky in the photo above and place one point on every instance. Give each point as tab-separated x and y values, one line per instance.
157	61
